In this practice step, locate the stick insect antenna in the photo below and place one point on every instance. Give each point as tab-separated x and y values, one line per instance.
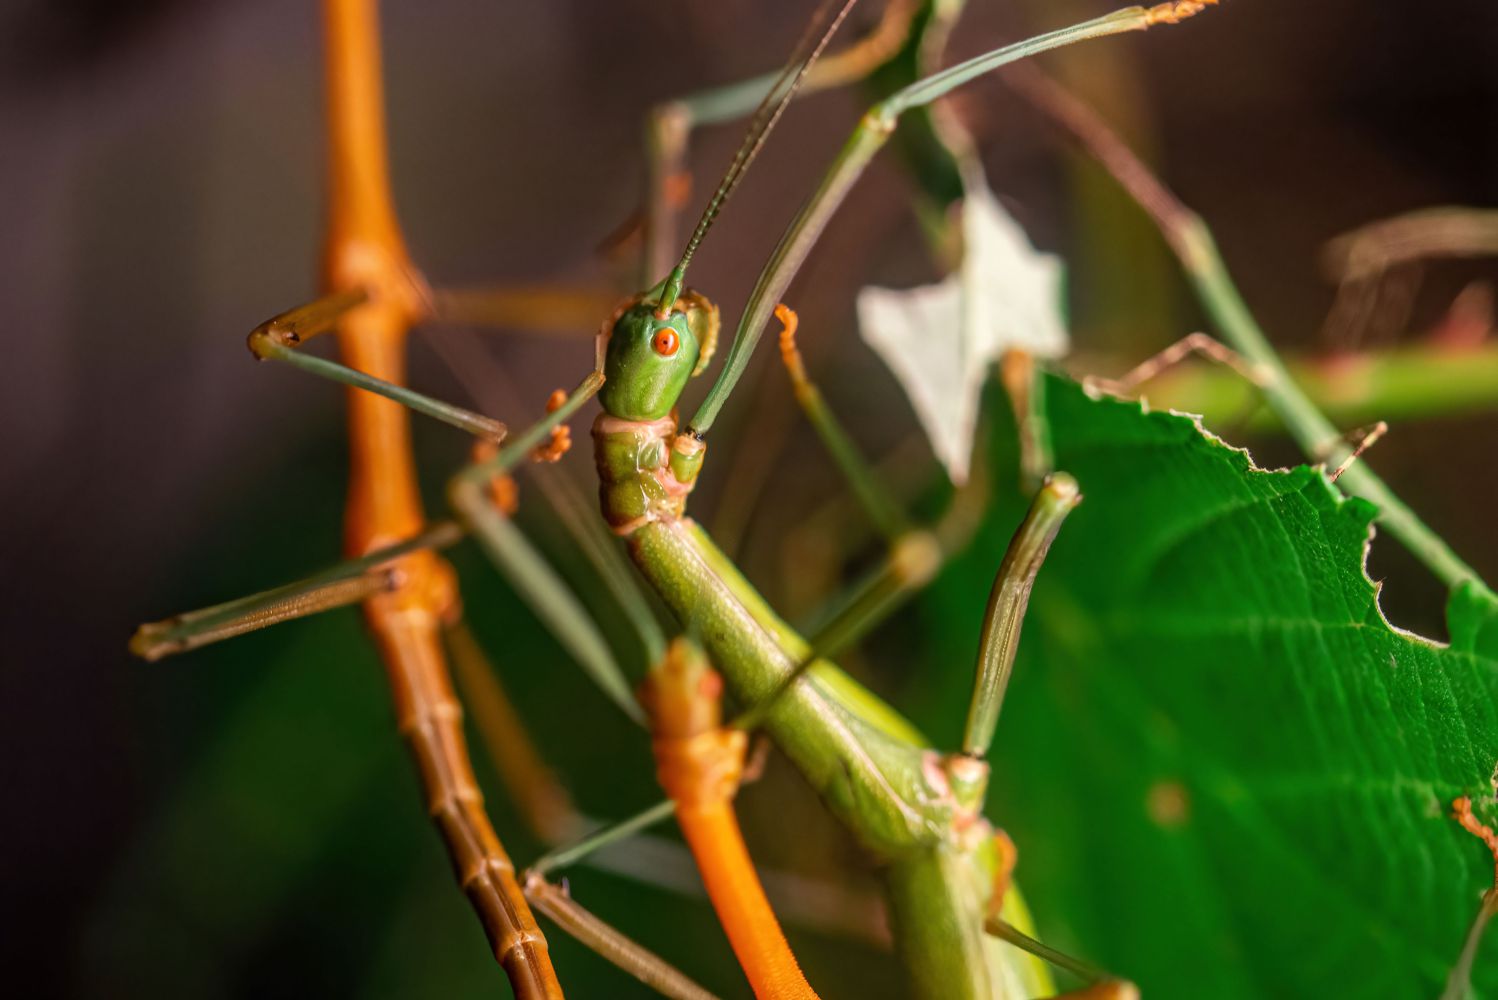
818	33
873	130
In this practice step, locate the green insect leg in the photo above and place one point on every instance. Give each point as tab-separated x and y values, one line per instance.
279	339
536	582
338	586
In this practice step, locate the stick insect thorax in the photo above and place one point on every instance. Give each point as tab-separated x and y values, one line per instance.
662	337
649	353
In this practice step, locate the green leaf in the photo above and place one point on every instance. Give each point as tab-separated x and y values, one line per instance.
1227	774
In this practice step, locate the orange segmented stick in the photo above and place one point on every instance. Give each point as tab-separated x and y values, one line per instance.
365	253
699	764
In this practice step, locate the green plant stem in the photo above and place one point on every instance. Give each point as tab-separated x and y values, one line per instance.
1411	383
626	953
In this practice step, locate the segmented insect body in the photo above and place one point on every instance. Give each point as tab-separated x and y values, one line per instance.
875	774
915	810
645	469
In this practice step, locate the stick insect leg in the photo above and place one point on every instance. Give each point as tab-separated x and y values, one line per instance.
666	864
871	494
556	903
1459	980
1007	603
1006	607
1101	985
278	339
1024	383
579	515
915	554
552	309
700	764
367	262
1360	439
532	786
1365	437
873	131
878	595
1203	265
537	583
548	596
338	586
570	854
1198	343
912	561
669	125
1170	357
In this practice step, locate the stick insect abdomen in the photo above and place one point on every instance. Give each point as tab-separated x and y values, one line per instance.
870	779
877	783
932	897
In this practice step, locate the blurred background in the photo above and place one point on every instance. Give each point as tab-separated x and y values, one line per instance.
243	821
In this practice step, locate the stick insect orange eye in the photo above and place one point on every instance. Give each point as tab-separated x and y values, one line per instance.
665	342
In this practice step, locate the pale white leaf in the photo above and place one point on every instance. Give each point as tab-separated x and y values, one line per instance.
941	340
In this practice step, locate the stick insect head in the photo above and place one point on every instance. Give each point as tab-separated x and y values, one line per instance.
652	352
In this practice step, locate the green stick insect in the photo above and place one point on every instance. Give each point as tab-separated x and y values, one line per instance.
959	928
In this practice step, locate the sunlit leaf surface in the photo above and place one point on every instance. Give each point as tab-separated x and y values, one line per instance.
1228	775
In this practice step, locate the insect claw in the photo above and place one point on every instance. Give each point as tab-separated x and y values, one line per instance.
561	435
1178	11
1370	437
790	354
1461	811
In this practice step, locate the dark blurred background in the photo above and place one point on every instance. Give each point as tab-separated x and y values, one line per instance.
243	821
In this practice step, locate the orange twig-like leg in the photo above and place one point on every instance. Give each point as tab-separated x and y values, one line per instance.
700	764
365	252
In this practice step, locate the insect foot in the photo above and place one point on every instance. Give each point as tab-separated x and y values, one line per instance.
561	435
1459	982
1461	811
1175	13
